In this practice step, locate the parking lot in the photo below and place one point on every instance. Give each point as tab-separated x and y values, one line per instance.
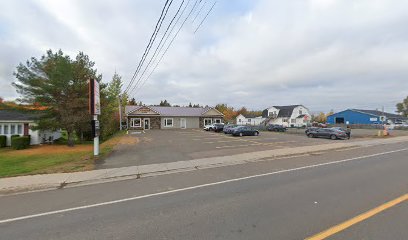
161	146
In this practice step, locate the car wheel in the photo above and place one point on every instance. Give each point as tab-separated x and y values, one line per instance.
256	133
333	137
240	134
310	135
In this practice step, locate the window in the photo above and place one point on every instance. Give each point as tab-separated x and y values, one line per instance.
217	120
12	129
239	120
6	129
19	129
284	120
300	112
136	122
1	129
168	122
249	120
207	121
293	120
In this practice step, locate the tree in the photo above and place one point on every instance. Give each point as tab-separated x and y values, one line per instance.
164	103
1	100
229	113
110	106
402	107
61	85
242	110
190	105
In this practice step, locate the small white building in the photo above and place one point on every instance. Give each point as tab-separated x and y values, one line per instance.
247	119
21	123
288	116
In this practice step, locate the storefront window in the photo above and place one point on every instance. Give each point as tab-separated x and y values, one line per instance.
207	121
136	122
168	122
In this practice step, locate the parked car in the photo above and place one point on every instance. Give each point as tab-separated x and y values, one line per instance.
310	129
346	130
229	128
327	133
276	128
218	127
209	127
245	131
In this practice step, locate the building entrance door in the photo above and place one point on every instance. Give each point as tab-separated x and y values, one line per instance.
146	123
183	123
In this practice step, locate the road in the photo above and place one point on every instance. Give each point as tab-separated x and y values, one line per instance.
289	198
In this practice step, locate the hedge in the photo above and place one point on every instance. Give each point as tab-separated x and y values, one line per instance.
20	142
3	141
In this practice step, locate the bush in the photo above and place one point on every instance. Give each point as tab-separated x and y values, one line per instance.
3	141
20	142
14	136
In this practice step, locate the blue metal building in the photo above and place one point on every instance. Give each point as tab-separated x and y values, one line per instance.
359	116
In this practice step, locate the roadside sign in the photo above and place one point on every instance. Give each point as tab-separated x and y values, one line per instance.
94	98
95	128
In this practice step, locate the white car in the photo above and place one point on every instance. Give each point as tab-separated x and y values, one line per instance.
209	127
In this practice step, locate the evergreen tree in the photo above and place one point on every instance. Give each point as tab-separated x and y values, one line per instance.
61	85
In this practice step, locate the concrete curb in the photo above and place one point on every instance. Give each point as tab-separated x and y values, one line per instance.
60	180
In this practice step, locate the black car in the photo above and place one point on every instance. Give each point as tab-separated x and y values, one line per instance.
276	128
327	133
244	131
218	127
229	128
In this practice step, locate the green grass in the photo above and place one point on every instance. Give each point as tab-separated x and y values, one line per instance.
52	158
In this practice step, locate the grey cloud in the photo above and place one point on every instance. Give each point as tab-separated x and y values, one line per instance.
325	54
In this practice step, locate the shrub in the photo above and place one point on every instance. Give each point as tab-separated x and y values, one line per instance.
20	142
13	136
3	141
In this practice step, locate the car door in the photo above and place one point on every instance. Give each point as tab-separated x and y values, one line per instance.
321	132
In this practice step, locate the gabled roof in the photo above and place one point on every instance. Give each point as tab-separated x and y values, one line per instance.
284	111
14	115
173	111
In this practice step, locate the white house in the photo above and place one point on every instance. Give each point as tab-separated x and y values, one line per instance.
21	123
247	119
288	116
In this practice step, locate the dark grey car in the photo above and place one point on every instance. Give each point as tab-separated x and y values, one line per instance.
327	133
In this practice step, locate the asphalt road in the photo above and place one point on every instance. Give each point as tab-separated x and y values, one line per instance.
289	198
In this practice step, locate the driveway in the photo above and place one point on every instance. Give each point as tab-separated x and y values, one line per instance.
162	146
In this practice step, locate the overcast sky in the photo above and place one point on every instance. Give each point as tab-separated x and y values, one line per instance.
324	54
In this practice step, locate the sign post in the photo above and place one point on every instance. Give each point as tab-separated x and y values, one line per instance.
95	110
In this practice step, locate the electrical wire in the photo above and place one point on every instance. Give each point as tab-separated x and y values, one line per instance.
151	40
161	58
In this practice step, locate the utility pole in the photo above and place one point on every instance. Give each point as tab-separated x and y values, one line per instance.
95	110
120	114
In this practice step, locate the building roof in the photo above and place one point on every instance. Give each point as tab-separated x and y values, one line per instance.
251	115
379	113
174	111
284	111
14	115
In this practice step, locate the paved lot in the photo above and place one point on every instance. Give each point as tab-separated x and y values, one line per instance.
161	146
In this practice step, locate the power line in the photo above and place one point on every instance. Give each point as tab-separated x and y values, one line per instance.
160	45
151	40
174	37
201	23
199	11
